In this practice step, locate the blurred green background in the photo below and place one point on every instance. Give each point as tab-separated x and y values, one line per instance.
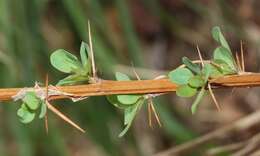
153	35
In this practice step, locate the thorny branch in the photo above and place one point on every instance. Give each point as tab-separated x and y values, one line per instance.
108	87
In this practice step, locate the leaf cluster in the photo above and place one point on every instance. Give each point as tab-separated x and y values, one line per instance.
68	63
30	104
129	103
193	78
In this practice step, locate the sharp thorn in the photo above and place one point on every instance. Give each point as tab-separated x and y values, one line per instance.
63	117
242	56
156	115
91	52
213	97
200	56
46	100
149	114
238	62
136	75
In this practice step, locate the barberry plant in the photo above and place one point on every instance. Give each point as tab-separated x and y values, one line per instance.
193	77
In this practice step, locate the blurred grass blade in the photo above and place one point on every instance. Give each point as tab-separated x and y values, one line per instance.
101	51
132	41
174	128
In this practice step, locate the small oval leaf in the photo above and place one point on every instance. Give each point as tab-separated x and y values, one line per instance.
180	76
211	71
86	62
43	110
128	99
129	116
24	114
31	100
65	61
223	54
197	101
121	77
197	81
114	101
72	80
219	37
192	66
83	53
186	91
224	68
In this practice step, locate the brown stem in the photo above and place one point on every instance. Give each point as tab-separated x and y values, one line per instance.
107	87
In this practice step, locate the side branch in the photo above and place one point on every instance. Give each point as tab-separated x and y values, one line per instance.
107	87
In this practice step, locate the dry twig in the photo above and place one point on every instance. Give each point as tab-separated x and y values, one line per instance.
252	144
238	126
226	148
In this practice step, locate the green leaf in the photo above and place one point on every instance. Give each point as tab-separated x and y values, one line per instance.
31	100
84	49
121	77
211	71
128	99
114	101
192	66
72	80
124	131
83	53
186	91
43	110
206	71
24	114
219	37
130	114
223	54
224	68
65	61
197	100
197	81
180	76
